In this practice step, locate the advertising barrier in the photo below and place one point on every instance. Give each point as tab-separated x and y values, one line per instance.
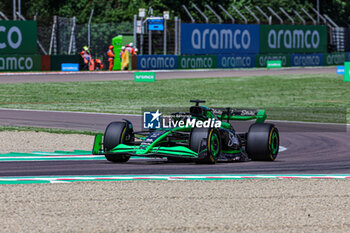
69	67
306	59
20	62
229	61
261	59
293	39
274	64
144	77
331	59
347	71
219	39
340	70
197	62
235	61
156	62
347	56
57	60
18	37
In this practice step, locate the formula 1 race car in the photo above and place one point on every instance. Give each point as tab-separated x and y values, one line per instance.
203	135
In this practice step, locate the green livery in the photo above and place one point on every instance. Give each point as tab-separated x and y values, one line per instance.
203	135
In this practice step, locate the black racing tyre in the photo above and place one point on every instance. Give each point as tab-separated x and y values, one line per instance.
213	144
115	134
262	142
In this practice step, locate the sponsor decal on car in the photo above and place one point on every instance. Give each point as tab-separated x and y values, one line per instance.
155	120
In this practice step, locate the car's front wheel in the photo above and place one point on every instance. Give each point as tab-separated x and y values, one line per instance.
116	133
206	142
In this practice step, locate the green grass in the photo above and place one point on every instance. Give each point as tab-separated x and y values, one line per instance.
303	91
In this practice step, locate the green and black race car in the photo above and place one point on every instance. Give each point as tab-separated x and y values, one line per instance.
203	135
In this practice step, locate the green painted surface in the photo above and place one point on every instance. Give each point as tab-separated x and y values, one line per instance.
274	64
293	39
144	77
117	43
18	37
347	71
262	59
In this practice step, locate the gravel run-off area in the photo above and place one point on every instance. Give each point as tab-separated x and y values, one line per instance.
256	205
28	141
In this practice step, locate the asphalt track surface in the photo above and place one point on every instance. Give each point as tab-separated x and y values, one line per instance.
311	148
129	75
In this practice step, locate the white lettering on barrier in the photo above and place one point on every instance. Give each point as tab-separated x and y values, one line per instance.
335	59
157	62
223	39
288	35
315	35
236	62
199	62
10	42
28	63
293	39
211	40
11	63
21	67
309	60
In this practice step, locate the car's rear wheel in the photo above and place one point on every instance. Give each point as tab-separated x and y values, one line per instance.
206	142
262	142
115	134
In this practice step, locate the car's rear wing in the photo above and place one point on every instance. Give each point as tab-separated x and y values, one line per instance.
241	114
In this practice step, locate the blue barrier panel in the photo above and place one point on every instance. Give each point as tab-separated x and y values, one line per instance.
340	70
156	62
219	38
236	61
315	59
69	67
